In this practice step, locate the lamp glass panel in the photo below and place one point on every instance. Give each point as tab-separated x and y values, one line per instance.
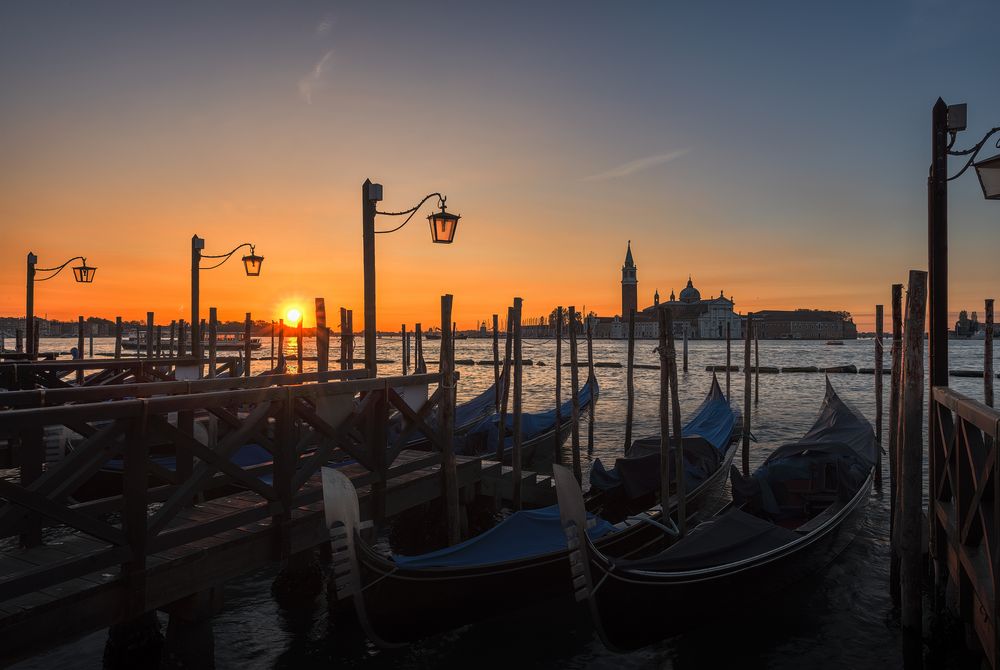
989	177
252	263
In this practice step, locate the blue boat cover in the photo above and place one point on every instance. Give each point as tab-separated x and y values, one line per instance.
521	535
639	472
467	415
483	438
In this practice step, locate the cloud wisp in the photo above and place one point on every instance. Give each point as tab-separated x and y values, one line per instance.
312	81
638	165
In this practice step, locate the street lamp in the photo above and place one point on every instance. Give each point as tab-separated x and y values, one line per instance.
989	176
443	225
251	264
83	273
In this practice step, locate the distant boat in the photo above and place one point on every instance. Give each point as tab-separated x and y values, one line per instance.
836	342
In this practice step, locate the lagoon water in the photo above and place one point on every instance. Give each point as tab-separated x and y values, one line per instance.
841	618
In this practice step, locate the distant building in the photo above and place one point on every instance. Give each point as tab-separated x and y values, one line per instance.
700	319
966	327
805	324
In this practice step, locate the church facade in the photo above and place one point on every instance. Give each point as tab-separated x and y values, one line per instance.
694	316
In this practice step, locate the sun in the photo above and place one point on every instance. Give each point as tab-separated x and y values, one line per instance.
293	316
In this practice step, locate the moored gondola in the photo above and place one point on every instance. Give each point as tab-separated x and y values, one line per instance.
521	560
792	517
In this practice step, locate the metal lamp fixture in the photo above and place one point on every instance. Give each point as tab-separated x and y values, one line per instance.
84	274
443	224
252	263
988	171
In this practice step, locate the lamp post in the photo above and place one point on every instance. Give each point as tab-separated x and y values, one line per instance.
251	263
83	274
443	225
946	122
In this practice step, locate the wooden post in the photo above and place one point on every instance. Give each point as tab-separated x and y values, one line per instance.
298	346
180	338
728	357
173	337
281	344
322	337
350	341
630	380
756	364
496	364
675	410
988	355
590	348
685	350
508	344
402	349
213	341
272	344
419	366
370	195
575	384
247	348
90	333
518	381
911	460
37	337
18	343
557	445
895	383
446	423
746	396
664	414
118	337
343	338
878	394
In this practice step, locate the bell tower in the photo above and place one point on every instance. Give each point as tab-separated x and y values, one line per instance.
630	285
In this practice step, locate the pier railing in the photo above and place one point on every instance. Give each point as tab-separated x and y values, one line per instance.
160	459
95	372
965	508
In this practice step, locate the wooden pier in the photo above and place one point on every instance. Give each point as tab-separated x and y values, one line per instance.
180	517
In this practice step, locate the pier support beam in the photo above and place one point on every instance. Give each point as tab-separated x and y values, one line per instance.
299	580
190	642
136	643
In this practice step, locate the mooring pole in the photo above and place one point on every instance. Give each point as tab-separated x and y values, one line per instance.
518	374
756	365
988	355
675	410
574	375
664	415
118	337
496	364
728	357
555	437
685	332
505	396
447	423
630	380
895	383
746	396
213	334
370	194
911	463
878	395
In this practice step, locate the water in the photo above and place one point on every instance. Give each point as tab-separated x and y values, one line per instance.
841	618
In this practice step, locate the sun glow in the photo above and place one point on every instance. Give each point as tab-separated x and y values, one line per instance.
293	316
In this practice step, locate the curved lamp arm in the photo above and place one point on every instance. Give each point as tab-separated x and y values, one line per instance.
974	151
56	270
225	257
413	210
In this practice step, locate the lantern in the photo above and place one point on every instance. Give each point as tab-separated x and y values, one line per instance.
252	263
84	274
989	177
443	225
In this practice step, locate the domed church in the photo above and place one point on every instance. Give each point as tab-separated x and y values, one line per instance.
700	319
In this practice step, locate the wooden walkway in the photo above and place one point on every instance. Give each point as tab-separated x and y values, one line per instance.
63	609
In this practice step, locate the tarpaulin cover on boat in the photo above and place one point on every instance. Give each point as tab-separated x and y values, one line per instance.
728	538
521	535
466	414
639	472
834	456
246	456
483	438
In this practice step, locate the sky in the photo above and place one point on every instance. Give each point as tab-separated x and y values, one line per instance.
774	150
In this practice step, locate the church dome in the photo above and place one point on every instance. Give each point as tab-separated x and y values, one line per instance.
690	293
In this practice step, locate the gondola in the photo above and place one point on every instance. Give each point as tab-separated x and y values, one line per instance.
792	517
521	560
468	416
538	430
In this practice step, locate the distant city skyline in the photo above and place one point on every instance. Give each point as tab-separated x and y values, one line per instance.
787	168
